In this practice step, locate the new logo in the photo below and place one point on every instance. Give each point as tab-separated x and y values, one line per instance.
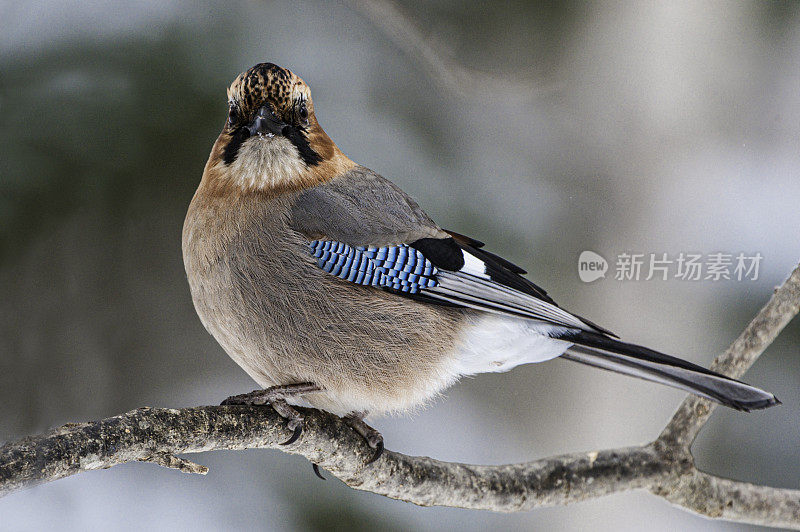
591	266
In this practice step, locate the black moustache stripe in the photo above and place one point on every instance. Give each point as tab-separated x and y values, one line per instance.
232	149
296	136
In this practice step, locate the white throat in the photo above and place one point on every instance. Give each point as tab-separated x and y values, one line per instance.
266	162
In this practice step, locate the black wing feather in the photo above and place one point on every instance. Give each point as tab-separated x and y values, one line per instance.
447	254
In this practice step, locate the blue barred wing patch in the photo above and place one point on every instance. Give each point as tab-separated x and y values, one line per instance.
398	267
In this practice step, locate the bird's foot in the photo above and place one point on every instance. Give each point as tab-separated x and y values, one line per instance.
276	396
373	437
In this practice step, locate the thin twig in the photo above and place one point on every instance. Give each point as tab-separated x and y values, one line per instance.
168	460
453	75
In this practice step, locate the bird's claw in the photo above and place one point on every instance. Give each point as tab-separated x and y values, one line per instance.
315	467
378	452
295	424
372	436
276	398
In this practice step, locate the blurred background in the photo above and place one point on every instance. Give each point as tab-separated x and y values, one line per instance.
544	129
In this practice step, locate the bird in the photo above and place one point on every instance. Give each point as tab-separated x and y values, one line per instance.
332	288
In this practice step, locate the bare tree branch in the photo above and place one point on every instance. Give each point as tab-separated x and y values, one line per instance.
405	33
329	442
737	359
720	498
664	467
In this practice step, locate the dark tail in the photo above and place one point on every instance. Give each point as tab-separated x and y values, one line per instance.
603	352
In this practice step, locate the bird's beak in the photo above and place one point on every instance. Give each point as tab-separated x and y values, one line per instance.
266	123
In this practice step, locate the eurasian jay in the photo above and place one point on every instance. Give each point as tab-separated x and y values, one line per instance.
326	282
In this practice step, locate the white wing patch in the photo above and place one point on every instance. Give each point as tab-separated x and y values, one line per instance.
473	265
473	287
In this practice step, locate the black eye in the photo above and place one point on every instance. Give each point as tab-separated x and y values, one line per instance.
302	111
233	115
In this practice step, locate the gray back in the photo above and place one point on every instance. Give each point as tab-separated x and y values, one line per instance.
361	208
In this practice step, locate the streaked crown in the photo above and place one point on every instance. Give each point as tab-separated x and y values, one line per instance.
269	84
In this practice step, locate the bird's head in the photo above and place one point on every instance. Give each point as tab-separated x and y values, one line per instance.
272	140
